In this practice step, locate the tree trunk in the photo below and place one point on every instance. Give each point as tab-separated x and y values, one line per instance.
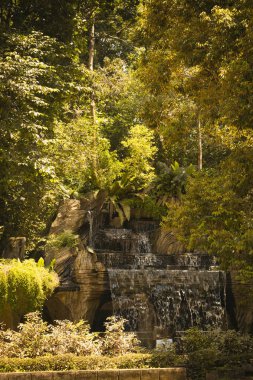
92	98
91	68
92	46
200	147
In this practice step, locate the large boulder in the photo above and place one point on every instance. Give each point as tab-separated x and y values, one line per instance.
70	217
83	284
83	279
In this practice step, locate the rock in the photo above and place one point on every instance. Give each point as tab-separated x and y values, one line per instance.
83	280
70	217
83	284
166	243
15	248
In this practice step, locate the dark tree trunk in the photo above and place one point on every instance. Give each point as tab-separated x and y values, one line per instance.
200	146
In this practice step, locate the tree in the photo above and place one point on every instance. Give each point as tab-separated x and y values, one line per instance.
215	214
189	75
79	165
140	148
29	93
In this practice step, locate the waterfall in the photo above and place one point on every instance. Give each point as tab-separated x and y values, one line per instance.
90	217
164	293
123	240
180	299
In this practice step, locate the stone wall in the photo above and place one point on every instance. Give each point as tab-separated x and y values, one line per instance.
123	374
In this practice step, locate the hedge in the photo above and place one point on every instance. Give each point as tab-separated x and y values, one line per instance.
72	362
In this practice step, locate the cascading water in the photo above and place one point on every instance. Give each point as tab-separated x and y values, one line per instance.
167	293
181	299
90	217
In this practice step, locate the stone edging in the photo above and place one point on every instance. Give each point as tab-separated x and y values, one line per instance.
118	374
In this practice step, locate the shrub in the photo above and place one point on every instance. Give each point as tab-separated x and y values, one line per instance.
25	286
68	337
116	341
215	214
36	338
72	362
208	349
3	289
65	239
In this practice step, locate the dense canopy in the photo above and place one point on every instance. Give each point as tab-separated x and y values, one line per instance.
151	101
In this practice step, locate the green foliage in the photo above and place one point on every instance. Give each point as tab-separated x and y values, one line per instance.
34	71
65	239
118	94
55	148
208	349
65	345
3	289
25	286
84	161
147	206
203	72
215	214
73	362
140	153
171	181
151	94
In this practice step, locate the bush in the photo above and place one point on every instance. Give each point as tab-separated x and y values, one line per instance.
116	341
36	338
25	286
215	215
72	362
208	349
68	337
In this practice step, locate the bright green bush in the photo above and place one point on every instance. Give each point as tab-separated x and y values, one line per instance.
72	362
3	289
25	286
140	148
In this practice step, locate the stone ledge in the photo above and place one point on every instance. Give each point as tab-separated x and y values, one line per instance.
117	374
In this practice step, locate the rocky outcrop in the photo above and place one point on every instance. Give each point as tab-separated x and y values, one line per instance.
70	217
83	279
83	284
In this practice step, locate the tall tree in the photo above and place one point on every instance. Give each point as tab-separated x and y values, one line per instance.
191	73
